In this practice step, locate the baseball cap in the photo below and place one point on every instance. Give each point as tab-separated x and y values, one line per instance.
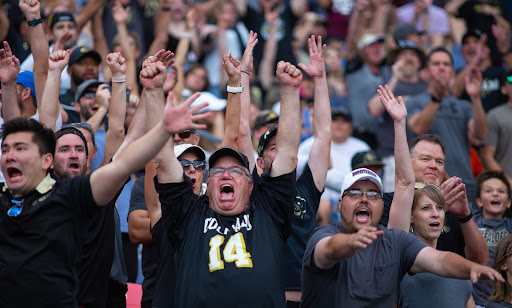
404	45
340	110
265	117
214	103
366	159
60	16
75	131
83	51
227	151
84	85
264	140
369	38
182	148
26	79
361	174
403	30
471	32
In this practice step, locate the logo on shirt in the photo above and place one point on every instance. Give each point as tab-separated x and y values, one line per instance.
298	207
492	237
211	223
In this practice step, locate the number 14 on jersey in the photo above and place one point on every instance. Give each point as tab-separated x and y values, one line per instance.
234	250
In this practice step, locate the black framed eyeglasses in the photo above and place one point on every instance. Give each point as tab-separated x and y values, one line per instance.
358	194
198	164
16	209
234	171
186	133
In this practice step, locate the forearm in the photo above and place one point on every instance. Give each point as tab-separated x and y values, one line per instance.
41	52
221	50
91	9
131	61
459	84
49	111
479	125
232	122
266	69
488	160
137	126
117	114
100	44
244	135
4	25
10	107
97	119
179	64
476	248
335	250
154	106
139	228
422	122
150	194
374	104
288	134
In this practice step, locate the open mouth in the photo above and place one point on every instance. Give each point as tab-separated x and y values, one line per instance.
14	172
227	191
495	202
74	166
435	225
193	182
362	215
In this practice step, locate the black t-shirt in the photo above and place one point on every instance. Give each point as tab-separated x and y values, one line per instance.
97	256
491	88
228	260
255	20
149	251
163	296
41	247
67	102
451	239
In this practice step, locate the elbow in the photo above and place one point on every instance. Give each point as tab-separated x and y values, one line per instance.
138	237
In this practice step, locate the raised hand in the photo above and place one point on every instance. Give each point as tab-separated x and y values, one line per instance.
117	64
60	44
119	13
170	81
9	65
289	76
153	76
473	82
180	118
395	107
31	9
247	59
484	272
364	237
316	66
58	60
231	66
164	56
454	192
103	96
191	19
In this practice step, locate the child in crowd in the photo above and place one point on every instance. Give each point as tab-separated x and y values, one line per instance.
502	291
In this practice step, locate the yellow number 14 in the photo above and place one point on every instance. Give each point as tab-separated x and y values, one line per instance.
233	251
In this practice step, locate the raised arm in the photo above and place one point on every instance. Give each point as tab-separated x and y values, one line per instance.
150	195
451	265
39	46
49	111
266	66
117	107
4	24
454	192
9	70
87	12
233	70
107	180
339	247
100	43
244	134
478	124
120	16
320	150
400	212
288	134
103	99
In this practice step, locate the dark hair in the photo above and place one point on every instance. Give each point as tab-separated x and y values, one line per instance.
195	66
42	136
435	139
484	176
439	49
501	291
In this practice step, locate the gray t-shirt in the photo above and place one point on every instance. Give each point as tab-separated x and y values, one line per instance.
450	123
370	278
429	290
500	135
493	231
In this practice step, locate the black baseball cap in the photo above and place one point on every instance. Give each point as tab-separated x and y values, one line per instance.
340	110
264	140
60	16
366	159
404	45
471	32
265	117
81	52
227	151
75	131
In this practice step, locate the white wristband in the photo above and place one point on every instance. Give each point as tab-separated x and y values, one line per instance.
239	89
119	79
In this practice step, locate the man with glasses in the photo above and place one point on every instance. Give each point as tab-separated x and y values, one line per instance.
189	136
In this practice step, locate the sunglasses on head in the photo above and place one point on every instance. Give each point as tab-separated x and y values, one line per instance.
198	164
186	133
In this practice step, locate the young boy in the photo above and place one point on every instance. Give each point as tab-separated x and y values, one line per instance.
493	197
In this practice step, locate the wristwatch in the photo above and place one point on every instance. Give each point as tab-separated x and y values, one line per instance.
239	89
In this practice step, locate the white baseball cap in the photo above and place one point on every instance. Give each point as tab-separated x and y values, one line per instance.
182	148
214	103
361	174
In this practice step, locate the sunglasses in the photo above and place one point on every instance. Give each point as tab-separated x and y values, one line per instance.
89	95
186	133
420	185
15	210
198	164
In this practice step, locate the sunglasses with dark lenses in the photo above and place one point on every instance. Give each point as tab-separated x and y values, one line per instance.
15	210
198	164
89	95
186	133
